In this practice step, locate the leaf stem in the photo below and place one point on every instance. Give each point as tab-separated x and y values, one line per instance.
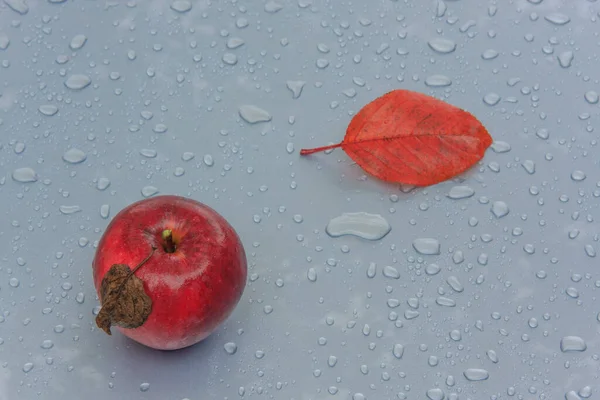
134	270
305	152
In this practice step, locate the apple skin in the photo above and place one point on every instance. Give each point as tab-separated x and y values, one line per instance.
195	288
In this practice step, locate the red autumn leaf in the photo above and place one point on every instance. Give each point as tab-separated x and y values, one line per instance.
412	138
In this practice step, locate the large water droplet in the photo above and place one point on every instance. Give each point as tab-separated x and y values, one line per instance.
78	82
591	97
272	7
557	18
572	343
74	156
432	269
500	147
253	114
460	192
476	374
442	46
78	42
149	191
445	302
24	175
455	284
589	250
311	274
491	99
48	109
68	210
398	351
295	87
438	81
4	41
500	209
391	272
181	6
18	6
427	246
565	59
529	166
230	348
489	54
235	42
435	394
492	356
371	270
361	224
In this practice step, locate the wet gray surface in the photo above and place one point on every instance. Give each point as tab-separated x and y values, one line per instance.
486	287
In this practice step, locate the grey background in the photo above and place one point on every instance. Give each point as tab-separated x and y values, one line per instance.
298	339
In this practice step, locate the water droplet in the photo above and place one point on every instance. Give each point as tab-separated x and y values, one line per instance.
78	82
565	59
229	59
144	387
585	392
435	394
28	366
440	9
578	176
272	7
14	282
68	210
398	351
500	209
181	6
253	114
102	184
476	374
48	109
501	147
572	343
492	356
78	42
391	272
589	250
74	156
445	302
360	224
528	166
160	128
491	99
455	284
371	270
557	18
296	88
208	160
24	175
572	292
591	97
489	54
234	43
427	246
149	153
438	81
332	361
442	46
311	274
47	344
105	211
460	192
18	6
4	41
432	269
149	191
80	298
188	156
230	348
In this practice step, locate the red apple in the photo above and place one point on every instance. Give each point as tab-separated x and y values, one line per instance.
191	272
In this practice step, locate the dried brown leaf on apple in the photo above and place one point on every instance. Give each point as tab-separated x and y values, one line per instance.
125	303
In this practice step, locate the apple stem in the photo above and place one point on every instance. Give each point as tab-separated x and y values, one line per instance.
168	243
